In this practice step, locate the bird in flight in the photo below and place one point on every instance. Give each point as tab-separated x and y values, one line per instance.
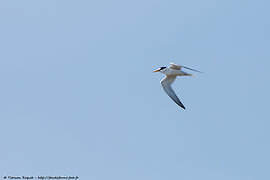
171	73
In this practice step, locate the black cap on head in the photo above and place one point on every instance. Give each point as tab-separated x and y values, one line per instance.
162	68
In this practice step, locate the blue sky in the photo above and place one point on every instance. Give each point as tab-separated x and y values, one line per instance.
78	96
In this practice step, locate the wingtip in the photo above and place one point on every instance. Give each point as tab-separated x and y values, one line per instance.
183	107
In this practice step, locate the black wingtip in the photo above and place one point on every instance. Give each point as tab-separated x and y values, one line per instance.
182	106
192	69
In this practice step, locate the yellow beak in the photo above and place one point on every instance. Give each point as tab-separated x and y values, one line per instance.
156	70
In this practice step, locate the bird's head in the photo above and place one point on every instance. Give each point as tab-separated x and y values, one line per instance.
161	69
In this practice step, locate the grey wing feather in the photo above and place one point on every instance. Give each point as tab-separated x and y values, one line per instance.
178	67
166	84
191	69
175	66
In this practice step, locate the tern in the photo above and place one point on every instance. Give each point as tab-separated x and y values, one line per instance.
171	73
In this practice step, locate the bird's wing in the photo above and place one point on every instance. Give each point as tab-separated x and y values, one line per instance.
178	67
191	69
175	66
166	84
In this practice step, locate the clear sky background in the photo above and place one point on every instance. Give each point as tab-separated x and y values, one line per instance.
78	96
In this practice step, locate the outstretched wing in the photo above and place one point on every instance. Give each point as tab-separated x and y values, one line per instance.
166	84
178	67
191	69
175	66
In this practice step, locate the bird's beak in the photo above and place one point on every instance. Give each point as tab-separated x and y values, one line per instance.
157	70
